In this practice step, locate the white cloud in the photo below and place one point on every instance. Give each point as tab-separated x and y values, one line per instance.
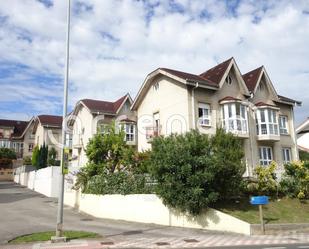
114	46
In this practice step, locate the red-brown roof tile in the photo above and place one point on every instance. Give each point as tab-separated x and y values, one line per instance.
103	106
216	73
17	125
50	120
264	104
189	76
252	77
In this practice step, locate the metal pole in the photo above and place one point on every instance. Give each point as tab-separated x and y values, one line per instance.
59	229
261	219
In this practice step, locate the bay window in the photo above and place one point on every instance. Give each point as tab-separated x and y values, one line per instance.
204	114
130	132
266	155
234	118
267	122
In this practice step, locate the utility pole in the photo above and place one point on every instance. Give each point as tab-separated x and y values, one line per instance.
59	228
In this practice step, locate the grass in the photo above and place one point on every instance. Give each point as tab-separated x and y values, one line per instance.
45	236
285	210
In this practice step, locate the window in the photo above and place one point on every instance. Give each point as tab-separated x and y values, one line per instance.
266	155
234	117
30	147
5	144
156	86
228	80
130	132
286	155
102	129
267	123
204	114
283	124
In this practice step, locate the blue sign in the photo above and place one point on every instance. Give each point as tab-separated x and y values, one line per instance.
259	200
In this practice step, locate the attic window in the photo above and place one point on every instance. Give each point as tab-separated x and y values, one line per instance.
260	87
156	86
228	80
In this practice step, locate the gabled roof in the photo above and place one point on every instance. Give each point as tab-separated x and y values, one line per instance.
50	120
100	106
251	78
288	100
189	76
216	73
17	126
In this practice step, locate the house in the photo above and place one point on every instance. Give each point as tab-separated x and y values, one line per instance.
302	132
12	135
171	101
91	116
47	129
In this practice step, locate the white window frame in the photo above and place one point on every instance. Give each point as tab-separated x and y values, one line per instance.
101	128
204	114
235	117
265	155
283	124
267	122
228	80
130	134
286	155
30	147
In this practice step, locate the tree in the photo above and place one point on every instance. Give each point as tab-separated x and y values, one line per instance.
107	150
194	170
35	156
42	157
6	153
52	155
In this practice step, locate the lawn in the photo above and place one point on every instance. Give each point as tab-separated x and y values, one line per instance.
45	236
278	211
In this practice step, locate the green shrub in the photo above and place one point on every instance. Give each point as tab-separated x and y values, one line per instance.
7	153
193	171
35	156
52	155
295	182
265	183
303	155
27	160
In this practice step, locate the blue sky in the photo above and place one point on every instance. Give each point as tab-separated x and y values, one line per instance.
115	44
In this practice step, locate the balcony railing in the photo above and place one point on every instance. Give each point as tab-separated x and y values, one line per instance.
238	126
152	131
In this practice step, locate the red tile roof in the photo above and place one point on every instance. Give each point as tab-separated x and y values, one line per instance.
50	120
228	98
216	73
103	106
252	77
189	76
17	125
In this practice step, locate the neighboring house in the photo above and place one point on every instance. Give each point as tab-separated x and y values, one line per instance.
171	101
47	130
91	116
302	132
12	135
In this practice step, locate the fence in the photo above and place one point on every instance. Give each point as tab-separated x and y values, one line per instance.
44	181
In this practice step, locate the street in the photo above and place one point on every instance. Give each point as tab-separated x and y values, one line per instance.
24	211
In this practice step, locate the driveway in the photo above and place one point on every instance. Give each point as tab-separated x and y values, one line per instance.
24	211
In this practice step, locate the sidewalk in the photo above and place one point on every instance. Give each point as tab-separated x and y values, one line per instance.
169	242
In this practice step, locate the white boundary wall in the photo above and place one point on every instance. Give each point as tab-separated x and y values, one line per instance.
44	181
149	208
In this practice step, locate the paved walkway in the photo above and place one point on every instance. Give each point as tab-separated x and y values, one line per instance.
168	242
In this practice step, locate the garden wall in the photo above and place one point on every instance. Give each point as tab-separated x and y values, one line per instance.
44	181
148	208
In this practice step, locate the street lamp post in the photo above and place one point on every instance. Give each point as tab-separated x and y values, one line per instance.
59	229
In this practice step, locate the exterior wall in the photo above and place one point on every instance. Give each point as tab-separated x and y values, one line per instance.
82	132
42	136
6	175
29	139
171	102
303	140
148	208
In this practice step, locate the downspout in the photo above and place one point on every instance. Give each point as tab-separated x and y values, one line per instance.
294	135
193	105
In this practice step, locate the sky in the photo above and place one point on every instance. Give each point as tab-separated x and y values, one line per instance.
116	43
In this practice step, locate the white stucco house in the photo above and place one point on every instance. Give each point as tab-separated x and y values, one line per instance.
302	132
